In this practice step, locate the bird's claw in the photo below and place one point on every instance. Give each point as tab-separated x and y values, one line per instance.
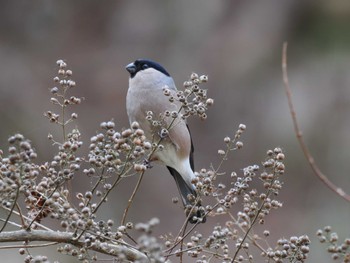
147	163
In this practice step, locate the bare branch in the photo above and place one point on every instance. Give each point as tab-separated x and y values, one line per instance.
298	133
66	237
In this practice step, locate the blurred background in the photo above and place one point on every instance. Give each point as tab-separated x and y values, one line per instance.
238	45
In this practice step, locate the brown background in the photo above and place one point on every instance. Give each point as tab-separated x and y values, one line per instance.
238	44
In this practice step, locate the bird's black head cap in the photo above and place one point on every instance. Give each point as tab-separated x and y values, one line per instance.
142	64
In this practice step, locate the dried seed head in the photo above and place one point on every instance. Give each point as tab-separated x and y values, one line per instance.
203	78
166	91
126	133
239	145
194	76
135	125
209	102
221	152
242	127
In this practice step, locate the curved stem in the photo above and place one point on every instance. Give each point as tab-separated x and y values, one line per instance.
336	189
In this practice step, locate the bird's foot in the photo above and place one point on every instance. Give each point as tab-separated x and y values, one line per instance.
196	214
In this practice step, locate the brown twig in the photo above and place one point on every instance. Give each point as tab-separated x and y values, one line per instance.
20	214
132	198
298	133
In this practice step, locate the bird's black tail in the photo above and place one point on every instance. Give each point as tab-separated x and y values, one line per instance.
186	190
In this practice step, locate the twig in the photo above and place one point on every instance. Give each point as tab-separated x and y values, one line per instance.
252	239
68	238
10	222
132	198
29	246
9	215
224	158
107	192
20	214
298	133
25	217
63	116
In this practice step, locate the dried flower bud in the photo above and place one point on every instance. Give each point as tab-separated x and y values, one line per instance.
166	91
126	133
221	152
239	145
203	78
209	102
194	76
242	127
227	139
135	125
54	101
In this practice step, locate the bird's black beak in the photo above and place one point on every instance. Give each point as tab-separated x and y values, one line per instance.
131	68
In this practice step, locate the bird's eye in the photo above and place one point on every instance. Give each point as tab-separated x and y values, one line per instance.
144	66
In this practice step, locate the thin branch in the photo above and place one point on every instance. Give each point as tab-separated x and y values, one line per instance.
27	218
132	197
13	207
20	214
66	237
106	194
125	170
298	133
10	222
252	239
29	246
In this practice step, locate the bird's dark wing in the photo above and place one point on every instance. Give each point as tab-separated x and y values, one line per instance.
184	189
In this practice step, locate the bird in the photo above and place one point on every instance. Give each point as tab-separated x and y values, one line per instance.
146	93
